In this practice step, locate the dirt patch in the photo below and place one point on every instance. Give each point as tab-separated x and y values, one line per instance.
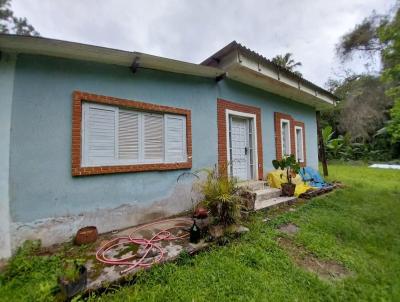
289	228
325	269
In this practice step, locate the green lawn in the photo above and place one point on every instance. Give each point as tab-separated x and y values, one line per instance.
358	227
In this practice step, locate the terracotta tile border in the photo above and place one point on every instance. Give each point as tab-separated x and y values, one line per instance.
222	106
78	170
278	144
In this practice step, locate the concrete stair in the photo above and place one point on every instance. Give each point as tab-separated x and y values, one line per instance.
252	185
267	193
260	196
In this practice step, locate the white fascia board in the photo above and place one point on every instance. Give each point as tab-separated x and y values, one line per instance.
65	49
78	51
262	76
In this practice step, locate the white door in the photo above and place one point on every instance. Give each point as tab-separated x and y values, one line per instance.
239	148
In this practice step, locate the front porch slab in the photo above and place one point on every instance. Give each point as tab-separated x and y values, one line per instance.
273	202
102	275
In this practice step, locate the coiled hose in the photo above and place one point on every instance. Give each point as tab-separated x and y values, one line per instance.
148	244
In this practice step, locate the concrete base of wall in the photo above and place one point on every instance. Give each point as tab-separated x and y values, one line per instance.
5	240
61	229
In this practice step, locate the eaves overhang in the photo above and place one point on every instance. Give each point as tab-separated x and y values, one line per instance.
78	51
244	65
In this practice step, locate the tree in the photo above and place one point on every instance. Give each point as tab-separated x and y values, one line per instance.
286	61
10	24
362	39
364	108
389	35
380	34
332	145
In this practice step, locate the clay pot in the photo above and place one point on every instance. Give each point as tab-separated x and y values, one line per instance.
201	213
86	235
288	189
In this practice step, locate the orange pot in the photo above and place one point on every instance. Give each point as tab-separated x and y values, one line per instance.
86	235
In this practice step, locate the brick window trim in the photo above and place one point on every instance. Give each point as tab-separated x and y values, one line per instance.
222	106
78	170
278	116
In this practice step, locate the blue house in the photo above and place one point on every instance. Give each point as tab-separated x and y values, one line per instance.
99	136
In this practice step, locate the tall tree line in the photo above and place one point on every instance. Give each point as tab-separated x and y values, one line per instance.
368	116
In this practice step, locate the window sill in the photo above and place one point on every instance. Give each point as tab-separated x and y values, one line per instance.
130	168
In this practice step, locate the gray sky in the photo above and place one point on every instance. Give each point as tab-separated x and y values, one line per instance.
192	30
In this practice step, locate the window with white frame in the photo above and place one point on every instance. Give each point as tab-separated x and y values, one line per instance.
285	137
117	136
299	144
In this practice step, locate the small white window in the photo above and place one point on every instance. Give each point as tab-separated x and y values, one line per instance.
285	137
299	144
116	136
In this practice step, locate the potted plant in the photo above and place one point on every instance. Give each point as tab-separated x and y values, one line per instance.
222	199
292	168
73	279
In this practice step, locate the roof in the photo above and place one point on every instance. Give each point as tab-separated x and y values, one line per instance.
267	76
79	51
216	58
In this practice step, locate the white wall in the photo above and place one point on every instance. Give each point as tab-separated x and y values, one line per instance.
7	67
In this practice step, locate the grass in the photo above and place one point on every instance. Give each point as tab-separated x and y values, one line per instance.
358	227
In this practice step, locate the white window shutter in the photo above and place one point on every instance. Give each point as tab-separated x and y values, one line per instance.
175	138
153	137
99	134
128	135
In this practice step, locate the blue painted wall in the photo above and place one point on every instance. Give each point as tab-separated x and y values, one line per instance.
269	104
41	184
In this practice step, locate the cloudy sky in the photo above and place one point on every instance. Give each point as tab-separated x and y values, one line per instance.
192	30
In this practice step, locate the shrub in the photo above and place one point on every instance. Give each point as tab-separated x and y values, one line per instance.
221	197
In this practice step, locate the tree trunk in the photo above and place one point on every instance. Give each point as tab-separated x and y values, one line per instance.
321	146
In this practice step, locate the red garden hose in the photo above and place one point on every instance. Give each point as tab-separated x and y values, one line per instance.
149	244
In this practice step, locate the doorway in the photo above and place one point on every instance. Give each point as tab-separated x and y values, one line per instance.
241	153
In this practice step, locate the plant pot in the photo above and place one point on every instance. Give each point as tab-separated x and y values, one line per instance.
71	288
86	235
288	189
201	213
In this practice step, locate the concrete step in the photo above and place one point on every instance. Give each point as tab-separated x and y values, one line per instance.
252	185
273	202
267	193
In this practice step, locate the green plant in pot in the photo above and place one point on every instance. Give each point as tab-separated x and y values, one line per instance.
221	198
292	168
73	279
